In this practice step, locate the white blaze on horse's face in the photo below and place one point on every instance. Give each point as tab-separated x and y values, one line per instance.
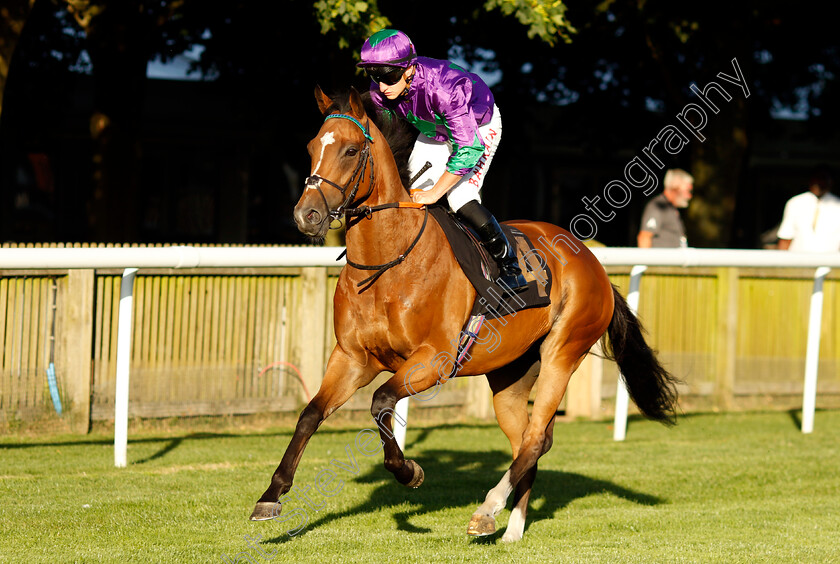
327	138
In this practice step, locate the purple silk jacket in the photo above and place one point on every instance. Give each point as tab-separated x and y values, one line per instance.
445	103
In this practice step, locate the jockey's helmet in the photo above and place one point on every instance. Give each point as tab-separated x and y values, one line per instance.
388	47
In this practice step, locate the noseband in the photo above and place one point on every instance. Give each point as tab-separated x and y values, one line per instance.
365	157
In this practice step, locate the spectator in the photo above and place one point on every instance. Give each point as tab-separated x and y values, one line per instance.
662	225
811	220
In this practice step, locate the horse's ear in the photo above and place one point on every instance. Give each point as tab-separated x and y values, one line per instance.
357	108
324	101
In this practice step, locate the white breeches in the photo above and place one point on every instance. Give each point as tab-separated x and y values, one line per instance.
438	153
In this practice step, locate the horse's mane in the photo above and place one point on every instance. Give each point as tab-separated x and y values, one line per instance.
399	134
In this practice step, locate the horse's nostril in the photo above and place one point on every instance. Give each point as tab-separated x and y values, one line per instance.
313	216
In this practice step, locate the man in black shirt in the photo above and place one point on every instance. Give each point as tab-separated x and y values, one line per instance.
662	225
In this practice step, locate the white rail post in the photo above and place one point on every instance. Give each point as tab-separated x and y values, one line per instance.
622	397
123	364
812	354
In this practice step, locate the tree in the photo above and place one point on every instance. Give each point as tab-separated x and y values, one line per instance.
119	38
12	19
628	72
240	42
576	71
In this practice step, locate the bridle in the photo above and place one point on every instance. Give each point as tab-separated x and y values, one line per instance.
365	159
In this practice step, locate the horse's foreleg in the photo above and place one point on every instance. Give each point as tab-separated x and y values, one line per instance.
415	378
342	378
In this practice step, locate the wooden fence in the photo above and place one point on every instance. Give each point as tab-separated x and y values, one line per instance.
26	332
214	341
736	337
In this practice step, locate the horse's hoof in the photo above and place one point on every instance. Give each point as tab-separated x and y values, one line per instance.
265	510
417	476
481	525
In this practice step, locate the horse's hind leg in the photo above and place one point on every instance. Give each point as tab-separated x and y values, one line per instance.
510	402
342	378
511	388
516	524
561	354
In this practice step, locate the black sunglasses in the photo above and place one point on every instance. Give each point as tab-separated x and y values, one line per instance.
389	77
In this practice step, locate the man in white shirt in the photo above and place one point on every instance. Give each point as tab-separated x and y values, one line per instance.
811	221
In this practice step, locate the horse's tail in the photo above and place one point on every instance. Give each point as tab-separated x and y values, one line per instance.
651	386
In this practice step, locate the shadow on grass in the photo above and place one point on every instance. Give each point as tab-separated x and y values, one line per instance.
796	417
457	478
173	442
159	439
172	445
285	433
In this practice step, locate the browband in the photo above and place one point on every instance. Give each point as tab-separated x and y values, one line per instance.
354	120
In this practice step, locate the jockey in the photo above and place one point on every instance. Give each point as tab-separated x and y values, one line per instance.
460	129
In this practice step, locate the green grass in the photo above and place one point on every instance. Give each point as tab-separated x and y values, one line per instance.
717	488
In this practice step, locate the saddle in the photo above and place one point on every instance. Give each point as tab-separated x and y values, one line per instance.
493	300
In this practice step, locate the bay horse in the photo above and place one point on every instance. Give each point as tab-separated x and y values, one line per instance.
403	317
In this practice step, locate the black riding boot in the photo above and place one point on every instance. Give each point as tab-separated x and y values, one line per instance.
493	238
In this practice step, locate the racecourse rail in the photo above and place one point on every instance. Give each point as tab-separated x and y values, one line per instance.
186	257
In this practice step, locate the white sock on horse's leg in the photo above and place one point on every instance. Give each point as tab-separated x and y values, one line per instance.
516	524
497	497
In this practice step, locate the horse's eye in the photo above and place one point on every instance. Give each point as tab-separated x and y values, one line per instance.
351	152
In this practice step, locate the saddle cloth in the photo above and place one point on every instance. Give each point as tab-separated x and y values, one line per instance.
494	300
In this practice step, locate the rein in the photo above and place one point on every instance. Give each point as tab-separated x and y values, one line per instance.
365	157
367	211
